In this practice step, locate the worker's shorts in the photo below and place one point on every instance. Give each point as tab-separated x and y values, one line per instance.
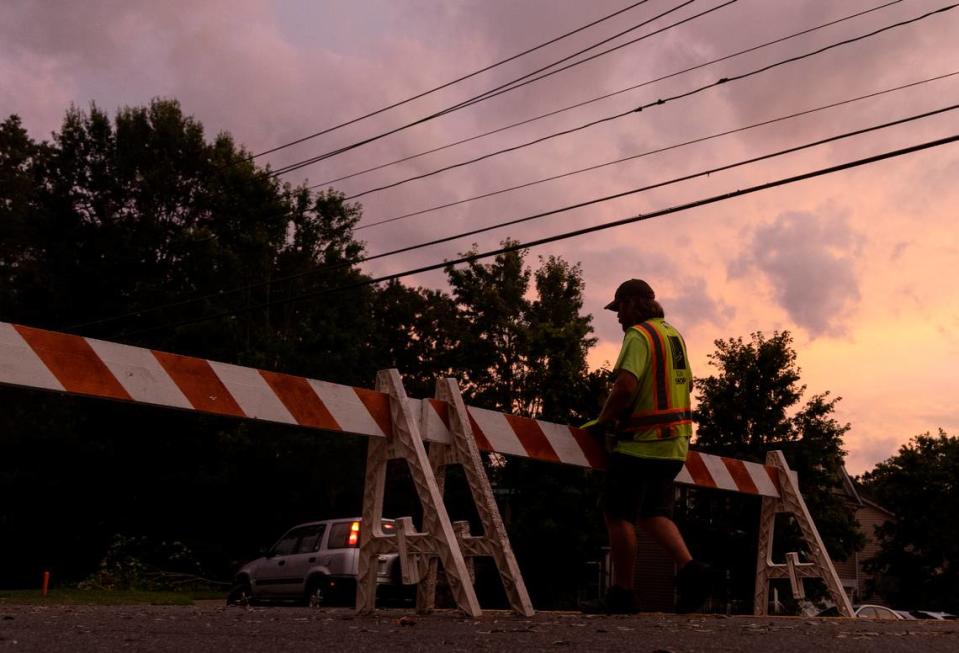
640	487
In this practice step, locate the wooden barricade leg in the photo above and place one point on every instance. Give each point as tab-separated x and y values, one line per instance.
764	556
371	532
494	542
438	538
791	502
426	589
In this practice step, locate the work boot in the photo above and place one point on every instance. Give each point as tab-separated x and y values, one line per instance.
617	601
694	583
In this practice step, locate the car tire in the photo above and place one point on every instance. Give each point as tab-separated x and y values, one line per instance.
317	592
240	594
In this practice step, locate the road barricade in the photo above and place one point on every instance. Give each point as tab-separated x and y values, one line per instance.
402	427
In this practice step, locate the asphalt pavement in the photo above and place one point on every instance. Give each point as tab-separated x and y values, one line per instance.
212	627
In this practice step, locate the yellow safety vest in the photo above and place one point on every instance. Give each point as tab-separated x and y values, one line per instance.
661	410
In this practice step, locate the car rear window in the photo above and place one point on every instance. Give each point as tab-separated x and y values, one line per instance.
340	534
303	539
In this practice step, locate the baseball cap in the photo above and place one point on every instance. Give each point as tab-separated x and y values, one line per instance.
630	288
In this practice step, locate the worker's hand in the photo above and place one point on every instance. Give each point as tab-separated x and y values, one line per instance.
599	431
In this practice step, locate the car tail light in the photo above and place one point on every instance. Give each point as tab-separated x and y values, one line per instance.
354	538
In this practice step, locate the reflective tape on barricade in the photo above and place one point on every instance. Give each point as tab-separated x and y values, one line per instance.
61	362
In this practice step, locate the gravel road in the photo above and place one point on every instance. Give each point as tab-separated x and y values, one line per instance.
213	627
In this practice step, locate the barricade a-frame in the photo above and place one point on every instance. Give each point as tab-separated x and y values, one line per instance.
791	502
440	541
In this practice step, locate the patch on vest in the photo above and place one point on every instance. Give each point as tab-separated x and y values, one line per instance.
679	357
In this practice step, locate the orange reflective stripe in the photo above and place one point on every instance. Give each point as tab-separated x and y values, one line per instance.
653	411
665	418
661	397
660	391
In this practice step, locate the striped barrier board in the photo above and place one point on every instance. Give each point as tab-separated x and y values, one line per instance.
61	362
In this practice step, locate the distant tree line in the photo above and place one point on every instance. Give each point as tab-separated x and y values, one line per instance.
918	564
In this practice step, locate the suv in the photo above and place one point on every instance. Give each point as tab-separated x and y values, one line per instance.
312	563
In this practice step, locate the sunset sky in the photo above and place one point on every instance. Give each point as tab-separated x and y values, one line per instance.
858	265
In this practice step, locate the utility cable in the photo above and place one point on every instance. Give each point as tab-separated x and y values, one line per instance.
648	105
510	86
587	230
609	95
534	76
450	83
502	88
637	218
660	150
139	313
669	182
223	293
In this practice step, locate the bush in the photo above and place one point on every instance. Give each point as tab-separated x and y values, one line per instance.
137	563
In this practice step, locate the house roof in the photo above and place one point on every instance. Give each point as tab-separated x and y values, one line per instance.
853	490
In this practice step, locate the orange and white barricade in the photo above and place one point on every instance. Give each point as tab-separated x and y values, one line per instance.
400	427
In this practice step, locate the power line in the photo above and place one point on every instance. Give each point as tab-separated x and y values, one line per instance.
657	150
648	105
139	313
595	228
669	182
646	216
505	88
641	217
450	83
508	86
580	232
609	95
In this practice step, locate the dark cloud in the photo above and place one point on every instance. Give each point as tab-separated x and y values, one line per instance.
865	453
898	250
691	305
90	33
809	262
946	419
937	181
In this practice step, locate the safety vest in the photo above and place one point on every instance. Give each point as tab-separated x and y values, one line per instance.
661	409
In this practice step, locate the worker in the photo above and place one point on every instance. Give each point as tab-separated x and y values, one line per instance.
646	424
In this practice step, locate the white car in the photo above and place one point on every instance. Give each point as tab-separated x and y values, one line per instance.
312	563
927	614
877	612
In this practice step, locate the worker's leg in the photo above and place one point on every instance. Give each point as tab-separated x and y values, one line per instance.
655	515
622	493
622	542
694	580
665	533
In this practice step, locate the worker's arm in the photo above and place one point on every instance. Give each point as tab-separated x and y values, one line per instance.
620	398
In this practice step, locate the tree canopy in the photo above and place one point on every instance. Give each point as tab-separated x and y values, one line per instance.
752	406
918	562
